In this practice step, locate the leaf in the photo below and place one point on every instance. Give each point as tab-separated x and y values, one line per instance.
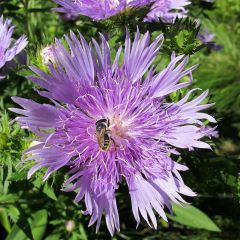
5	124
13	213
193	217
23	226
39	224
57	222
24	72
9	198
4	220
55	236
37	182
18	176
82	232
3	140
48	190
16	233
22	230
74	236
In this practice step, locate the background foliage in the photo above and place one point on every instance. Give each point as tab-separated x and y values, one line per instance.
31	209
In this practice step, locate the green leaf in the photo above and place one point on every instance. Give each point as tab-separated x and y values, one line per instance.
193	217
3	140
38	182
48	190
13	213
4	220
23	225
24	72
39	224
57	222
9	198
22	230
55	236
4	127
74	236
18	176
82	232
16	233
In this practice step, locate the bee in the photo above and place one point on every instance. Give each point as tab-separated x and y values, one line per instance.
102	136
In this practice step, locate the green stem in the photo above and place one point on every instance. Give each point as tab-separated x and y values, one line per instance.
26	17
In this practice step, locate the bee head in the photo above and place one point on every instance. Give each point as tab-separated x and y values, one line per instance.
103	121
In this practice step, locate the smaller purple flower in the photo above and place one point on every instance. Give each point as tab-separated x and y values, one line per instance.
167	10
207	39
8	50
95	9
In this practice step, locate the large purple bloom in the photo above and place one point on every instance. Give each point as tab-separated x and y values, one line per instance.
167	10
144	128
8	50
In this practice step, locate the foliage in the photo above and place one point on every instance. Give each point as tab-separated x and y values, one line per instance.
33	209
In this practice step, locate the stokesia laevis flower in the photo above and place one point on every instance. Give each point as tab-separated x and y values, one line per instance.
97	9
167	10
8	50
115	125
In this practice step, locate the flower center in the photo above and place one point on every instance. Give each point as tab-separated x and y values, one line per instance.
118	127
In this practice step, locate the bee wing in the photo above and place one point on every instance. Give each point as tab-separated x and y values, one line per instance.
100	137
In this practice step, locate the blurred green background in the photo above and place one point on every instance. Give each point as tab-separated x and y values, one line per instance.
31	209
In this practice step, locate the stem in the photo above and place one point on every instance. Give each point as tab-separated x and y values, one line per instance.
26	17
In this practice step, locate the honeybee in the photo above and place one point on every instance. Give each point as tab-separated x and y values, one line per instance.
102	136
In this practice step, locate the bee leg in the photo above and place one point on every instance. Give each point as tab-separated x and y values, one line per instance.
115	147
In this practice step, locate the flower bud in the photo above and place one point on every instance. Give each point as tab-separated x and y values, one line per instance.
69	225
47	55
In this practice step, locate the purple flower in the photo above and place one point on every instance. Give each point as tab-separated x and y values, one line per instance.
207	39
96	9
167	10
115	125
7	49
